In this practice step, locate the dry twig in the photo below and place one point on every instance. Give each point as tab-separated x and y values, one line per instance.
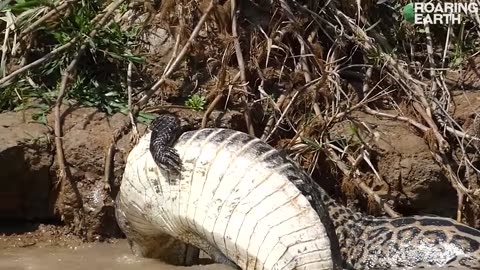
355	162
241	66
6	80
178	59
135	134
55	11
393	65
63	172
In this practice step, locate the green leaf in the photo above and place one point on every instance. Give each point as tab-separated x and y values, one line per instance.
41	106
458	61
196	102
408	13
146	117
112	94
312	143
134	59
41	118
22	5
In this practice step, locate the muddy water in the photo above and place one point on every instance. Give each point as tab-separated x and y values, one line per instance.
95	256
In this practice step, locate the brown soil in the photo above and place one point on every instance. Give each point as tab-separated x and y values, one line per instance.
412	180
25	158
22	235
29	181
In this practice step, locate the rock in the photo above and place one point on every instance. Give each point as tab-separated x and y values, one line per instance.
25	161
28	171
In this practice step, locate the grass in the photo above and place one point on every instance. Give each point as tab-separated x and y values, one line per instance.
100	79
196	103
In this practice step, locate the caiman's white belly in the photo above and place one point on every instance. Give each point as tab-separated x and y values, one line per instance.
235	194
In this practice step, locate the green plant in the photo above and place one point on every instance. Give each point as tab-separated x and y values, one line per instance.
196	102
313	143
100	75
146	118
408	13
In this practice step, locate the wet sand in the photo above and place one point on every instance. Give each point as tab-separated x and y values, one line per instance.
90	256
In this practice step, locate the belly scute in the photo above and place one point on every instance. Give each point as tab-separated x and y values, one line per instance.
234	199
249	206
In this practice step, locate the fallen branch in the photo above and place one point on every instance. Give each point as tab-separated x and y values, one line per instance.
393	65
218	92
108	166
177	61
55	11
358	182
63	172
280	119
135	134
418	125
241	66
5	80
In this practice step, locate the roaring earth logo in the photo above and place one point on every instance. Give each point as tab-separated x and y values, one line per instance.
441	12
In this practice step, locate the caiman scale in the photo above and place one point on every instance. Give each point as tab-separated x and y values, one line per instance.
248	205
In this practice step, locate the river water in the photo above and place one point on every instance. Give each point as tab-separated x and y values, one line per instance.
90	256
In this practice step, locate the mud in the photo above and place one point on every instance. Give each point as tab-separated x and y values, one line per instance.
107	256
411	179
31	190
25	160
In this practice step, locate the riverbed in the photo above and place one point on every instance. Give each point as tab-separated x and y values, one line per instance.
86	256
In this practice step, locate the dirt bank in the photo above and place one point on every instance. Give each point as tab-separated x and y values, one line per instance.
412	180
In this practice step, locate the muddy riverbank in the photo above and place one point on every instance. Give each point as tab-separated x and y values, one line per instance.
115	255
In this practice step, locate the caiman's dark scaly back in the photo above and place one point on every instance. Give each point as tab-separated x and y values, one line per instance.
368	242
165	131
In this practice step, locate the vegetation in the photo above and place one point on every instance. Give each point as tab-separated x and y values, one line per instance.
196	103
100	77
